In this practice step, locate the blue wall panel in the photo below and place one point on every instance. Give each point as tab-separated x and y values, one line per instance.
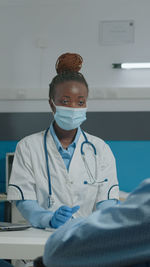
5	147
133	162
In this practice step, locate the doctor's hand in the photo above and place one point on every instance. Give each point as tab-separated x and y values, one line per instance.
62	215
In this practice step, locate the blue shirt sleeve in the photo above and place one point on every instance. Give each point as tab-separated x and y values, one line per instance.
34	213
106	203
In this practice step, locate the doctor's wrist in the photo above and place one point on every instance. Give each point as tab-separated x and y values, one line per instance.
45	220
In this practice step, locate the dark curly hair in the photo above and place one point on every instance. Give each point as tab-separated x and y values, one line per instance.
67	68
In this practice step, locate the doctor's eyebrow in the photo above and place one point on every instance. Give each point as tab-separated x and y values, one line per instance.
70	97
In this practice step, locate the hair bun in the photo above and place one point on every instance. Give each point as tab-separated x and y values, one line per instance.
68	62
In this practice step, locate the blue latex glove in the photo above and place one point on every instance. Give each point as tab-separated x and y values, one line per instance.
62	215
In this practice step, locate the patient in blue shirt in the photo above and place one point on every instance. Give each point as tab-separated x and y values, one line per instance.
113	236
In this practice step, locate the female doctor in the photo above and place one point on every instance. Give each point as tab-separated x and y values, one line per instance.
63	172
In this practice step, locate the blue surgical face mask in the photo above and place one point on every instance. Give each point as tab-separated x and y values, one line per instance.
69	118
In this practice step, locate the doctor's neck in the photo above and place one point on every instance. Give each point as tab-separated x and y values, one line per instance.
65	137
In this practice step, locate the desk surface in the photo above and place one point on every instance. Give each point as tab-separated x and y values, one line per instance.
26	244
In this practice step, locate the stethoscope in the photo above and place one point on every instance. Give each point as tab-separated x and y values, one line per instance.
92	179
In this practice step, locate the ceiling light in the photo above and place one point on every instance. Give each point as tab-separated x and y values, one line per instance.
131	65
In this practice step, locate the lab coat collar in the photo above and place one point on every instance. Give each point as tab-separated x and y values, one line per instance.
57	142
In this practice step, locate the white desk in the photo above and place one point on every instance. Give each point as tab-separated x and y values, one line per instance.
26	244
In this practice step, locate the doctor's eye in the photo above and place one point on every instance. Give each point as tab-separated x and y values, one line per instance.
81	103
65	101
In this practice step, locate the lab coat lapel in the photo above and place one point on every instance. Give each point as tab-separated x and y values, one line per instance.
76	159
54	153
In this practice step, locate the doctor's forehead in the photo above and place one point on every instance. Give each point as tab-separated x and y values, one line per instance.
71	88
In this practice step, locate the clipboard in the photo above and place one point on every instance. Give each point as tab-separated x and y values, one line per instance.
7	226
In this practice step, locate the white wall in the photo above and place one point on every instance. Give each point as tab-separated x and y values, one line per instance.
33	33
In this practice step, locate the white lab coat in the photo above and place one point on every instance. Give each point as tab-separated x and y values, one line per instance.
30	175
